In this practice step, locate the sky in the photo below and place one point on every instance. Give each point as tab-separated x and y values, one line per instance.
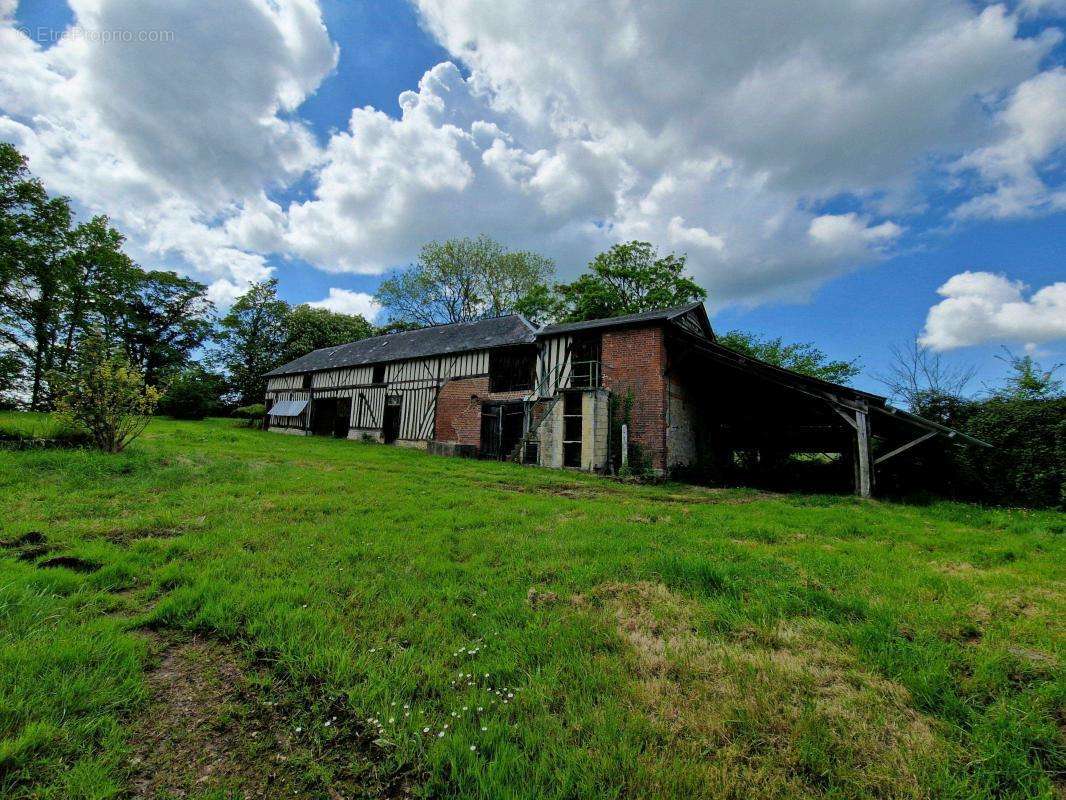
856	174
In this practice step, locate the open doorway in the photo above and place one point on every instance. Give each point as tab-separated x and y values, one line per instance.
390	423
502	427
330	416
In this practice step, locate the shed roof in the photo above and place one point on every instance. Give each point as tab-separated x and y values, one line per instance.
436	340
655	315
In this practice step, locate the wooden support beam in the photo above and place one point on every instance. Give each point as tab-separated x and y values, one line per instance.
907	446
845	416
864	471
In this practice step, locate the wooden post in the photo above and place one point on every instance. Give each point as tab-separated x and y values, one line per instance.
863	465
625	445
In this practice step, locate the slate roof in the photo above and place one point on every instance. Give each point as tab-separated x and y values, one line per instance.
656	315
433	341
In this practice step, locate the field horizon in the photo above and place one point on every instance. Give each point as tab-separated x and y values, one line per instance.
219	612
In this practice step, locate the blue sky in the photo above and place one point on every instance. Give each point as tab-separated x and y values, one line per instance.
822	192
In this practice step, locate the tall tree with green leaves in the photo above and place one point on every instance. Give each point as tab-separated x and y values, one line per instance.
161	318
251	340
464	279
36	270
308	328
805	358
626	279
100	275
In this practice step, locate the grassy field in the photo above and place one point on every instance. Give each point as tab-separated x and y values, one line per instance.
219	612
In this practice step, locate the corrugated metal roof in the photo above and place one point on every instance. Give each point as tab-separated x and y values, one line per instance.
433	341
655	315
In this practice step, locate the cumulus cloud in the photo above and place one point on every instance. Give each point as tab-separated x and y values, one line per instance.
850	234
982	307
345	301
722	130
171	137
1033	125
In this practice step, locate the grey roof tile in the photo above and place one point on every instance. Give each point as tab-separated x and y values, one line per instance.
432	341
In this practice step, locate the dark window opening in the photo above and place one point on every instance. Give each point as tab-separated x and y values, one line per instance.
511	370
572	433
379	374
585	362
307	381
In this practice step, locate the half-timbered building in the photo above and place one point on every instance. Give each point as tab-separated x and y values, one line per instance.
652	390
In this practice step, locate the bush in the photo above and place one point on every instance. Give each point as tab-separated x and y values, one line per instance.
105	396
252	415
1025	465
194	393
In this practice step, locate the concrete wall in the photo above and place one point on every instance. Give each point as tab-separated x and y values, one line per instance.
290	431
595	433
684	428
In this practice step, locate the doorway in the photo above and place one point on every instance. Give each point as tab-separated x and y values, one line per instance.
502	426
390	423
330	416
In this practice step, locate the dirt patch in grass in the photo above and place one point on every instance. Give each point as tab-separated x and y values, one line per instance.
786	713
216	726
24	540
72	563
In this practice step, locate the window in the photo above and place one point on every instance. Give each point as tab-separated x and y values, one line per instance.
511	370
307	380
379	374
585	362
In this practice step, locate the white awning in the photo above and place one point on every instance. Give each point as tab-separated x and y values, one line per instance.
288	408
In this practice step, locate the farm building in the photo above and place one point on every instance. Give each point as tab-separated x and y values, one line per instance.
652	391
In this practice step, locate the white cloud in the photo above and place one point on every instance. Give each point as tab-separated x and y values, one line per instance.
850	234
171	138
1033	125
982	307
722	130
345	301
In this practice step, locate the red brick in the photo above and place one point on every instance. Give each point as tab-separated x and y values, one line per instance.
634	359
459	413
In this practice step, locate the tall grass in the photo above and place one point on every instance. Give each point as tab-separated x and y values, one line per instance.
678	642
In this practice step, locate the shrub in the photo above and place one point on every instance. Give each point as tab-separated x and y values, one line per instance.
105	396
252	415
194	393
1025	465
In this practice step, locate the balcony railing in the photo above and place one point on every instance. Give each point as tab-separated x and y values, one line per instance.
584	375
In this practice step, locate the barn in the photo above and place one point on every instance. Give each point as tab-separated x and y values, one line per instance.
651	391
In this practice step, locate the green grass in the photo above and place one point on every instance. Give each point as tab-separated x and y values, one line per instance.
680	642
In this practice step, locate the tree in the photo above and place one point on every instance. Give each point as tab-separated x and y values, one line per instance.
1028	380
920	378
308	329
459	280
626	279
802	357
100	273
251	339
35	269
161	318
106	395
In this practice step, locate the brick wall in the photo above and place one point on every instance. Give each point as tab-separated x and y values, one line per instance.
635	359
458	416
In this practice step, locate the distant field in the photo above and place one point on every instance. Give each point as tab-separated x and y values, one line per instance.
220	612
